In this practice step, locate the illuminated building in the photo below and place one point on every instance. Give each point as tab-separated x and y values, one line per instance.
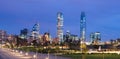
24	33
70	37
60	27
46	36
95	37
92	37
67	36
83	27
74	37
3	36
35	31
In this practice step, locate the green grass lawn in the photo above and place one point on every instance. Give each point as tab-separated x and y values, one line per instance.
73	56
92	56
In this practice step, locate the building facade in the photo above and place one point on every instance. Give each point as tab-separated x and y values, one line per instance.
60	27
95	37
83	27
35	31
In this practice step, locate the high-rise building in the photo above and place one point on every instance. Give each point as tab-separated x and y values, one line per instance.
35	31
60	27
24	33
92	37
83	27
95	37
3	36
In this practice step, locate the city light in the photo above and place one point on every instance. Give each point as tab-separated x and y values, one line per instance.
47	58
16	51
30	42
21	52
26	53
34	56
118	53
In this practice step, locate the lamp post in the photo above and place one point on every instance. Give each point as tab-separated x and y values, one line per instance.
103	54
2	38
35	55
0	43
26	53
9	38
83	49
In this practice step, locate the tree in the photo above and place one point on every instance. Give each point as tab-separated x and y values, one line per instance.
83	46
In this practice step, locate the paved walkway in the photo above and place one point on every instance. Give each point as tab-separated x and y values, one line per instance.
14	54
8	54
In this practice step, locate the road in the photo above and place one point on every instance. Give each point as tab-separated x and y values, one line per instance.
1	57
5	54
9	54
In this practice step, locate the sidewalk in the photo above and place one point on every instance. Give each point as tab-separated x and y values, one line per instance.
15	54
9	54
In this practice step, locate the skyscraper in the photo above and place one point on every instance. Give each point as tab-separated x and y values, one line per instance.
83	27
92	36
95	37
24	33
35	31
60	27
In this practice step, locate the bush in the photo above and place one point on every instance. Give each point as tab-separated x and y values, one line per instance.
40	50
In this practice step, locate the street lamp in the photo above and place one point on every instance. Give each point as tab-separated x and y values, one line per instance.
2	38
103	54
26	53
16	51
46	58
10	38
21	52
35	56
118	53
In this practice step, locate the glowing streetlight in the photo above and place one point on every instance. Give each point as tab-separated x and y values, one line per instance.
21	52
16	51
13	50
44	47
118	53
47	58
60	47
26	53
35	56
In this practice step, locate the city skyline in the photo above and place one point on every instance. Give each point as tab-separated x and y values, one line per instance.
101	16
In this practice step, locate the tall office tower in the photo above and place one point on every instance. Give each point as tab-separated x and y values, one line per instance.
83	27
24	33
92	37
3	35
60	27
35	31
95	37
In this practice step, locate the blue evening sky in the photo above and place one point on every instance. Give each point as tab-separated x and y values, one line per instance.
101	16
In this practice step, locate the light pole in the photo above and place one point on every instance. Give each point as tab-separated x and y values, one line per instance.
103	54
35	55
10	38
83	49
2	38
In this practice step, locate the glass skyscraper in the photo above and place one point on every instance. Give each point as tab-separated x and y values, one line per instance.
60	27
83	27
35	31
